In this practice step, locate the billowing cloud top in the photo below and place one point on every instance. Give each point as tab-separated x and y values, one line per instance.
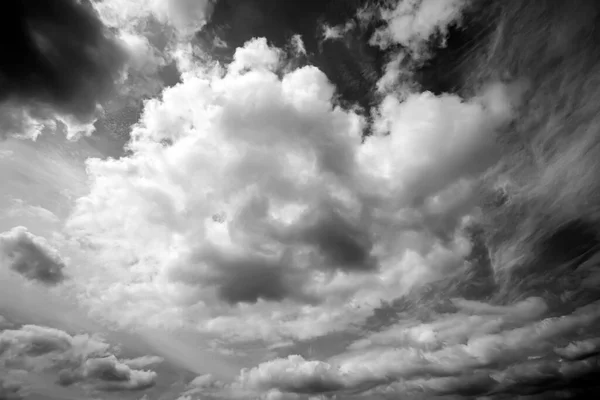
286	203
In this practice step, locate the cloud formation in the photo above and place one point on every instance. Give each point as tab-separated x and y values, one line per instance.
308	215
31	256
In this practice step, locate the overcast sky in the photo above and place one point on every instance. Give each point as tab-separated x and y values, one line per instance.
299	199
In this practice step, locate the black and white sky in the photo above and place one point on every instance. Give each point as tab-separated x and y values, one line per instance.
299	199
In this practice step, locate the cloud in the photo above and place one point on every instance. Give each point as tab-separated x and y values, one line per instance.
418	40
413	23
31	256
206	385
454	328
108	374
186	16
143	362
417	123
512	355
294	374
250	208
74	359
64	66
580	350
338	31
10	390
21	209
310	222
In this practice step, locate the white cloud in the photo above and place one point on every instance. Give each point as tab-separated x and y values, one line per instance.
109	374
311	223
31	256
441	137
412	23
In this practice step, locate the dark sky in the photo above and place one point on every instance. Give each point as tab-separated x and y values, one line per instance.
57	57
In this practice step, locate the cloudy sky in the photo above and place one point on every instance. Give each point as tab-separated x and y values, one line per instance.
299	199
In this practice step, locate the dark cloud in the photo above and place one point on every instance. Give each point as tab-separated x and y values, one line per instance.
31	256
242	279
251	280
341	243
58	59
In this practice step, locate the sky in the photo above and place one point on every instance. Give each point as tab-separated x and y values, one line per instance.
299	200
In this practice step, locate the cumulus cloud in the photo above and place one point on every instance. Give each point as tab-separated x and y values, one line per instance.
309	216
64	65
75	359
31	256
